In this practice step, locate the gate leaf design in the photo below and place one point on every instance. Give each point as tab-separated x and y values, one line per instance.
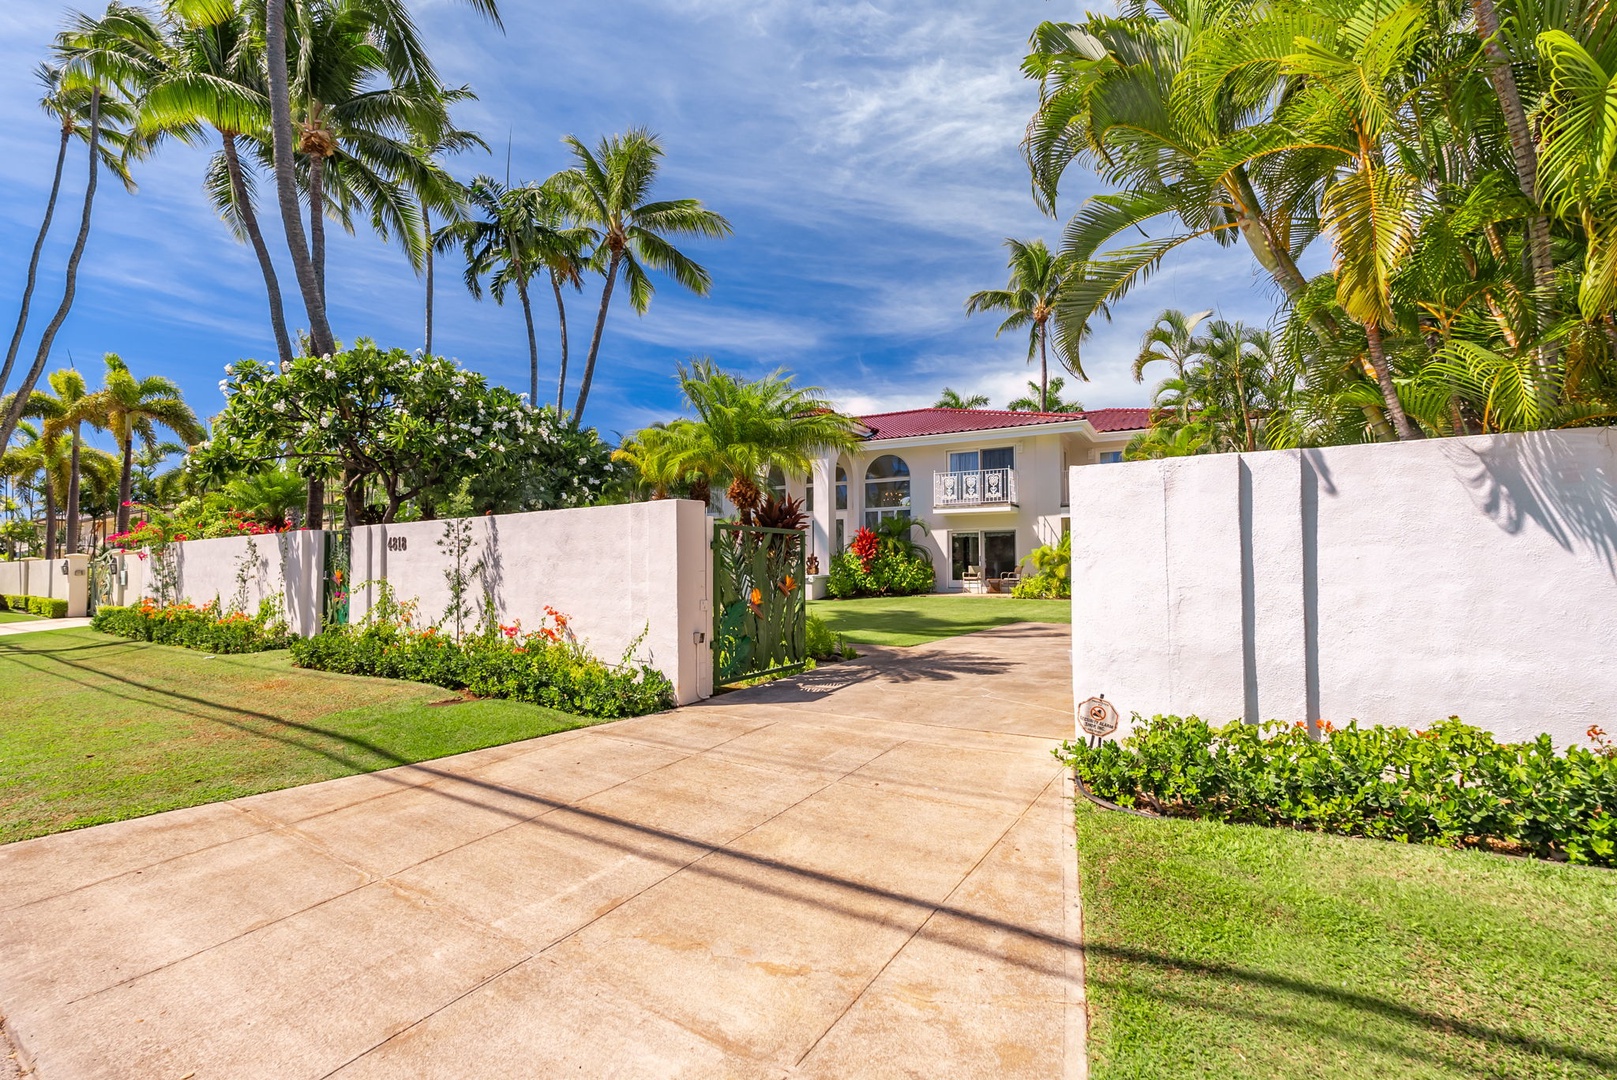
760	612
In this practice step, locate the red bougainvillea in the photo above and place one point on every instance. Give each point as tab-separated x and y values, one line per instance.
864	547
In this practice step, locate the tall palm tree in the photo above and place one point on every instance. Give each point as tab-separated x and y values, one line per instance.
743	429
39	462
67	412
70	107
1172	338
209	74
134	408
431	147
90	54
1046	397
951	399
608	190
393	22
1028	300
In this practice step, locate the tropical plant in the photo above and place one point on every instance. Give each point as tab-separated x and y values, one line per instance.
1046	397
743	429
131	409
609	192
1051	578
1028	301
950	399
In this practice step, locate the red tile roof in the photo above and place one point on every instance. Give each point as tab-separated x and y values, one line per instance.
915	422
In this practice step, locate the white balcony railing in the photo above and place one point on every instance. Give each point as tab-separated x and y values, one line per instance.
974	487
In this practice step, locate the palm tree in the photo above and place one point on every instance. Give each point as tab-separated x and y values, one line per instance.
89	54
1171	338
743	429
1046	397
40	463
949	399
134	408
69	414
393	26
70	107
431	147
208	72
1028	300
608	191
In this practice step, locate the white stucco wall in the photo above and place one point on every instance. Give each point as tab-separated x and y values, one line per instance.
63	578
289	564
616	571
1390	583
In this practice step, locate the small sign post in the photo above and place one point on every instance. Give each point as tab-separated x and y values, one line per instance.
1098	718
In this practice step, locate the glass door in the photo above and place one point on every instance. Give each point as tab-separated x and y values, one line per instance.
999	553
965	549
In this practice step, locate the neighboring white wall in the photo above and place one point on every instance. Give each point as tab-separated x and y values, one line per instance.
290	564
1390	583
615	571
62	578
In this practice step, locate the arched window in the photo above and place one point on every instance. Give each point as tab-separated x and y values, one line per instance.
842	488
777	482
887	489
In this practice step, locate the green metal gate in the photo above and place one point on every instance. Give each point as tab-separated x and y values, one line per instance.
760	610
338	586
105	567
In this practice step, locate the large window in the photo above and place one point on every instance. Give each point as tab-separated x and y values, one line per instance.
777	482
842	488
991	554
887	489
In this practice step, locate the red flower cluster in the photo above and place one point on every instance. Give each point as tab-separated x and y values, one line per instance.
865	546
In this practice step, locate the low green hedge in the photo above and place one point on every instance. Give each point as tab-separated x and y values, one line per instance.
1450	785
544	668
203	628
34	605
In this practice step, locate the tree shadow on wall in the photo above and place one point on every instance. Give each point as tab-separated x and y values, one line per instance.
1561	481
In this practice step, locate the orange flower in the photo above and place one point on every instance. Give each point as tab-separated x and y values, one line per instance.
757	597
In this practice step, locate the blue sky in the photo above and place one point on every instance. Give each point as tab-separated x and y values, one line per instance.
866	153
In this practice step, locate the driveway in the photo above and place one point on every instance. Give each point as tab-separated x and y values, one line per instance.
864	871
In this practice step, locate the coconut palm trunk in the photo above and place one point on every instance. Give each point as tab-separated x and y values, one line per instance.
8	427
50	515
561	318
1378	362
33	262
286	187
249	222
533	342
126	479
426	226
1524	154
317	223
1044	369
72	542
595	339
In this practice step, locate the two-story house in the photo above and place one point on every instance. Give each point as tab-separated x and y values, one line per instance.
991	485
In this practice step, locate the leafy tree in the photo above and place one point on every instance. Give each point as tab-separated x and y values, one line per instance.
409	425
950	399
1046	398
1029	301
132	409
609	191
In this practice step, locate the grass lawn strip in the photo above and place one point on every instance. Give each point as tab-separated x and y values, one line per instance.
100	729
913	620
1236	952
18	616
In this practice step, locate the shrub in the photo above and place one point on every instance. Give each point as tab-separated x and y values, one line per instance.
204	628
890	573
50	608
822	644
1451	785
546	667
1051	578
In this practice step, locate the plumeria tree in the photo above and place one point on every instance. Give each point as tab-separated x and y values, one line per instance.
409	425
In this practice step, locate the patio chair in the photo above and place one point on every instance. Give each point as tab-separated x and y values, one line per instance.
971	580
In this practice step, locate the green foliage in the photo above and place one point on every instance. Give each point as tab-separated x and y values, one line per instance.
545	668
1451	785
822	644
1052	572
16	602
34	605
206	628
891	573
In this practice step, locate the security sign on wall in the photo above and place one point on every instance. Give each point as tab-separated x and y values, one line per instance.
1098	717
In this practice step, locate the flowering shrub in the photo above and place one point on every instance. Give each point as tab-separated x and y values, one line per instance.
865	547
889	573
205	628
1451	785
546	666
192	520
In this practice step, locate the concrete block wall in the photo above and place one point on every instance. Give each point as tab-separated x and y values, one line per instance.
1389	583
617	571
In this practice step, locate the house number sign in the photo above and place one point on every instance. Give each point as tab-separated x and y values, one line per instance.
398	543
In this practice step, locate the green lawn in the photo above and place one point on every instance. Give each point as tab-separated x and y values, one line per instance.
911	620
95	728
1240	952
17	616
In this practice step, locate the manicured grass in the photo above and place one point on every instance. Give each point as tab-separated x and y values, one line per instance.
911	620
94	728
17	616
1241	952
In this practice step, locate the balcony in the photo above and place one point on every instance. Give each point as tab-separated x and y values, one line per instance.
973	488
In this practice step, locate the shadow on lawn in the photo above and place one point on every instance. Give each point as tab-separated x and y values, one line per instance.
807	886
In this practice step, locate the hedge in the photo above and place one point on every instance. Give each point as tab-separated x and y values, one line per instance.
545	668
204	628
34	605
1451	785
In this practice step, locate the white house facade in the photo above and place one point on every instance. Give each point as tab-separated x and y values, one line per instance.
990	485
